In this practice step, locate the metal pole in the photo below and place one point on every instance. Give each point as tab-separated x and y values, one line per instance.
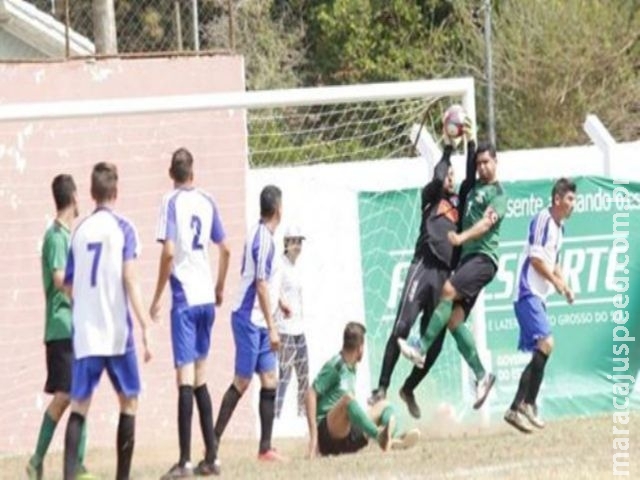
67	46
176	8
232	41
489	71
196	23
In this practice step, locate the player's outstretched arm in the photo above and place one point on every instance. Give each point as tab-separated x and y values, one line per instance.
470	169
164	270
132	286
310	401
223	268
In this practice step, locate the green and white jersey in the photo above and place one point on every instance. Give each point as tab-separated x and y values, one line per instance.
484	200
335	379
58	306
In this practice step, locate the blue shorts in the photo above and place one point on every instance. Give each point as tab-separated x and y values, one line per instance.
253	349
122	371
191	333
531	313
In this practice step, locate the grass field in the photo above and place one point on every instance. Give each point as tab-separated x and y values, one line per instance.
578	448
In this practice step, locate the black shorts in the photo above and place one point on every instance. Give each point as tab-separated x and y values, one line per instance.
473	274
59	366
356	440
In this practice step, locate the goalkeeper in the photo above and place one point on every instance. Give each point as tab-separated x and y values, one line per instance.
337	422
432	263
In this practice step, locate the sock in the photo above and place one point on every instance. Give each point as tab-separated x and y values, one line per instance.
437	322
538	363
124	445
71	441
205	410
523	386
467	347
391	355
228	405
359	418
417	374
47	428
185	414
385	417
267	412
82	446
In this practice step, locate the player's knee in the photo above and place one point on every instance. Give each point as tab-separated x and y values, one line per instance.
128	405
58	405
200	373
545	345
448	291
241	384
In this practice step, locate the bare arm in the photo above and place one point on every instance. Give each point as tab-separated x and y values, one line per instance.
132	286
310	401
164	270
58	279
265	305
481	227
223	268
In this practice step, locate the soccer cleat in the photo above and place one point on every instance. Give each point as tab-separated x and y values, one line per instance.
530	412
377	395
483	387
205	469
272	455
34	472
406	440
385	434
83	474
178	471
410	399
513	418
411	352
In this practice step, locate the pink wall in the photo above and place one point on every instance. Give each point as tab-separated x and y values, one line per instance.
32	153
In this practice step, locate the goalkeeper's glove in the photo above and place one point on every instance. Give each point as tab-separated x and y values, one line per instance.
469	129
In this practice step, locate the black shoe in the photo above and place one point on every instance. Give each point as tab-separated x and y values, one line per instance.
410	399
204	468
377	395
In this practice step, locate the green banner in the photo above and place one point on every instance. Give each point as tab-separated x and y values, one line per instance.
596	356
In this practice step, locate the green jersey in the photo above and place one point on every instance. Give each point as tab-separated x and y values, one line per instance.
58	306
484	200
335	379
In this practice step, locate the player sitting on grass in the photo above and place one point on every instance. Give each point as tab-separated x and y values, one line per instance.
337	422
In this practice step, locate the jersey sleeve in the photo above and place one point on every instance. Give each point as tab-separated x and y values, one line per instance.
263	252
538	235
327	379
131	248
217	230
167	229
497	208
55	252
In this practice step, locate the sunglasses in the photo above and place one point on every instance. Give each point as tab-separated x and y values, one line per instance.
295	240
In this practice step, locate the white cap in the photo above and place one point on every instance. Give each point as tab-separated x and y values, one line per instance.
294	231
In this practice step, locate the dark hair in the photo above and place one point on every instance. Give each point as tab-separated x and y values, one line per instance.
562	187
181	165
63	187
486	147
353	336
104	181
270	199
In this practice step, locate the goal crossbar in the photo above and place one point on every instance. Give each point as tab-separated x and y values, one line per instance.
34	111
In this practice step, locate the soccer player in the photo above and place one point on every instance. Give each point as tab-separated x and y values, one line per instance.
101	277
57	333
290	321
539	275
485	207
189	219
254	330
432	262
337	422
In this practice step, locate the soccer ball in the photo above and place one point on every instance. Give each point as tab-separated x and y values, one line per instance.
453	121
